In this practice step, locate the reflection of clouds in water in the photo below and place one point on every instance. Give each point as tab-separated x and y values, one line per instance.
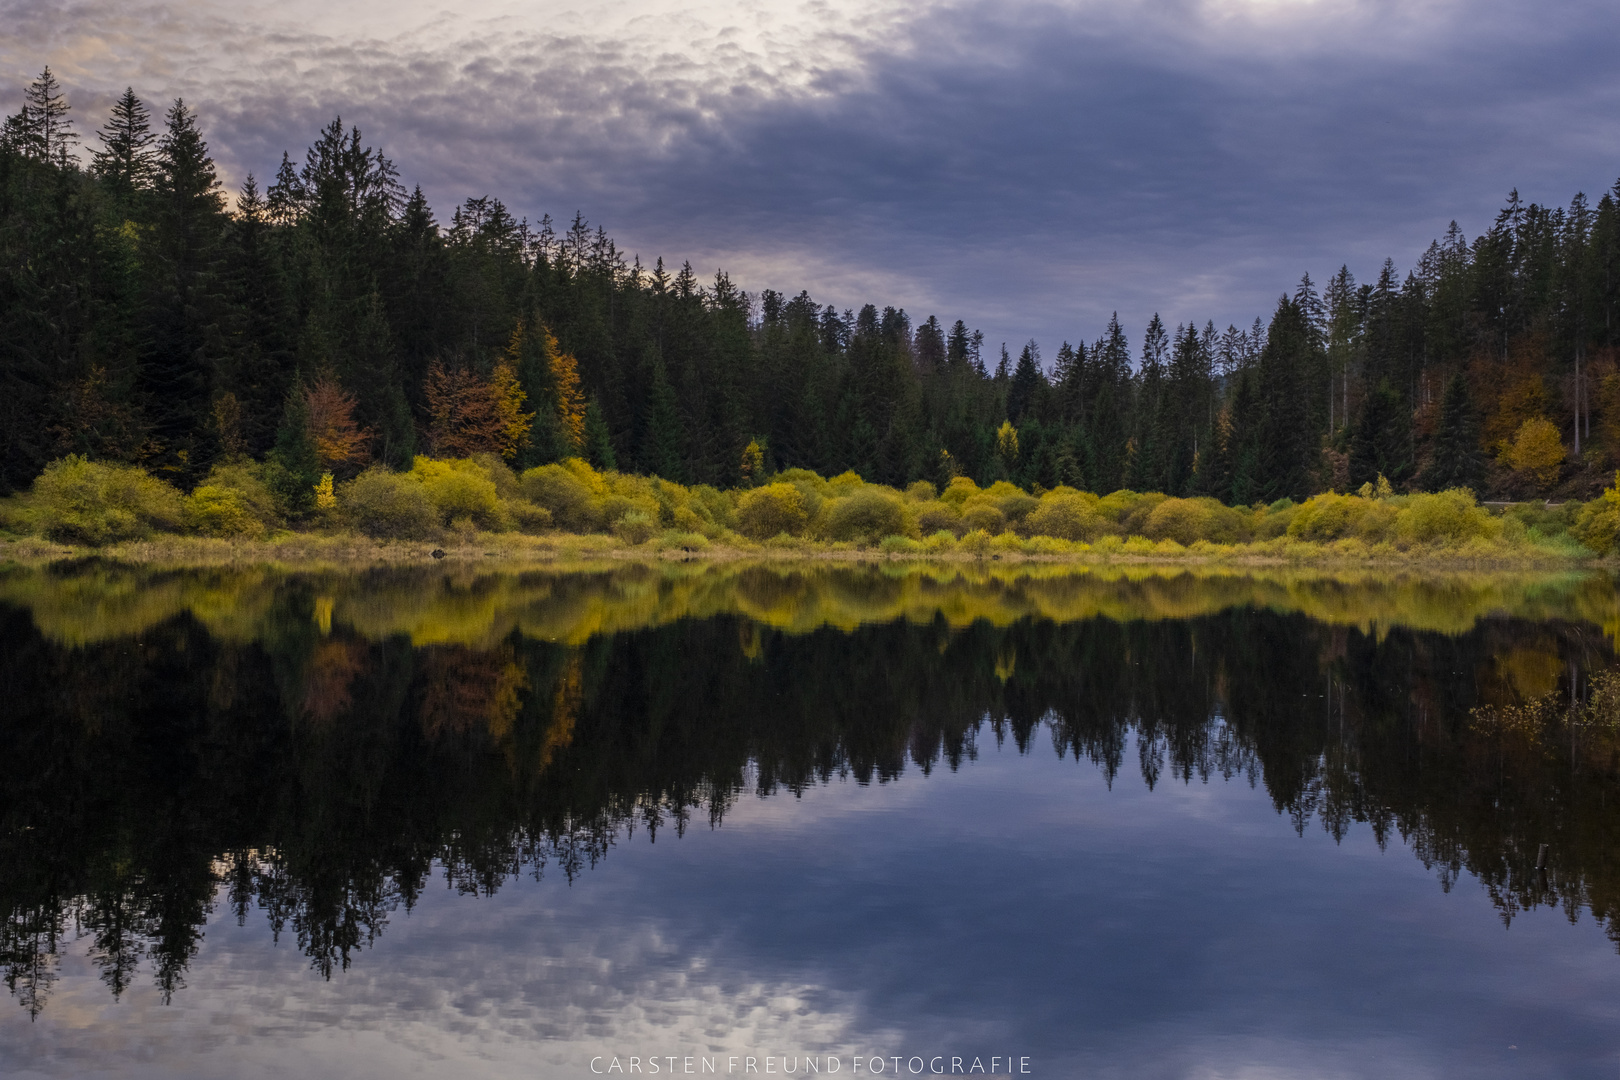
1018	904
524	984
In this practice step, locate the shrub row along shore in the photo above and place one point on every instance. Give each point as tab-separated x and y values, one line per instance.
87	504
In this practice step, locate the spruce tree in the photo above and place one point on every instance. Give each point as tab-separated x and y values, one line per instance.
1455	459
1109	409
1147	464
293	464
662	438
598	440
1024	391
1287	445
189	313
1381	440
126	162
44	132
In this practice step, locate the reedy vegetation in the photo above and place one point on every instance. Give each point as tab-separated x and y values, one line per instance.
327	323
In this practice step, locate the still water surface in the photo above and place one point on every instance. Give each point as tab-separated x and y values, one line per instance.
274	823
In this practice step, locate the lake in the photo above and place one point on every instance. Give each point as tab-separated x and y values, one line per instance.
868	819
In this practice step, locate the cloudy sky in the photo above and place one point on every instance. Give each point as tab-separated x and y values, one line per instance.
1025	166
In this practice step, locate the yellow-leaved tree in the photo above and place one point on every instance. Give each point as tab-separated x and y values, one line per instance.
1007	444
1537	450
753	463
549	376
507	394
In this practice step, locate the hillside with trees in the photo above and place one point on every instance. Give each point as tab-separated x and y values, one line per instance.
325	319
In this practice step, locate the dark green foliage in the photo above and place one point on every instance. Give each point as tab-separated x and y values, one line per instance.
598	441
662	435
1455	458
143	321
1286	442
1381	442
125	161
293	465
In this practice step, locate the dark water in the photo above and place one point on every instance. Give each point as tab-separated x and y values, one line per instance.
261	823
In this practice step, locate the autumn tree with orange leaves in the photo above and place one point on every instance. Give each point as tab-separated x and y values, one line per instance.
341	444
468	414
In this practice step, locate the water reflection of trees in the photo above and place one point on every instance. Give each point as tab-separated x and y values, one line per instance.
318	777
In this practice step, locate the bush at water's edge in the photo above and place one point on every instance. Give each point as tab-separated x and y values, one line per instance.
92	504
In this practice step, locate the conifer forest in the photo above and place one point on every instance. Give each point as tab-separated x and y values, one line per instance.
323	317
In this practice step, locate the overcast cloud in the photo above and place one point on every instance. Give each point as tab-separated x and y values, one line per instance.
1027	167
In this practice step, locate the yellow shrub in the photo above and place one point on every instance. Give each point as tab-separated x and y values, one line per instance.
1013	502
500	474
845	483
976	542
1325	517
1186	521
685	541
959	490
213	510
767	511
1133	519
921	491
1273	521
76	501
572	504
1066	517
869	514
1449	516
1598	523
1129	509
936	516
386	504
1377	520
459	489
635	527
1007	542
233	501
1048	545
984	517
803	478
581	470
716	507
